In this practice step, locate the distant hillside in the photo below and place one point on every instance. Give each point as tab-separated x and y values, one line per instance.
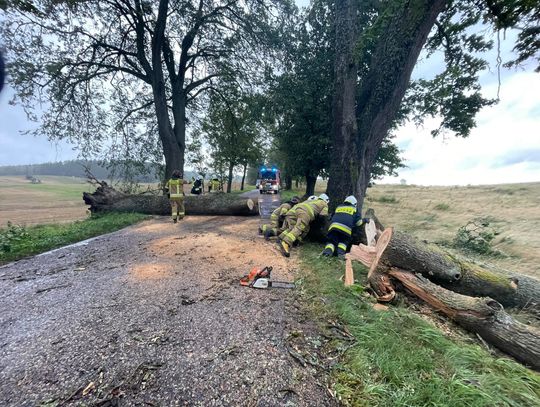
75	168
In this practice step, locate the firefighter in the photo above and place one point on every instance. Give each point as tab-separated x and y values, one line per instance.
305	213
214	185
175	188
198	187
345	218
277	219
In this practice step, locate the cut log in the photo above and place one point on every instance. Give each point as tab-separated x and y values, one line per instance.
455	273
349	273
483	316
510	289
107	199
405	252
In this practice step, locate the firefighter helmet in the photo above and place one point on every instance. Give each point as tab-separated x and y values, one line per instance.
351	199
324	197
312	198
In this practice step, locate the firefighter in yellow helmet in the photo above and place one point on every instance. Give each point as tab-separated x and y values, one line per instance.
305	212
175	188
277	219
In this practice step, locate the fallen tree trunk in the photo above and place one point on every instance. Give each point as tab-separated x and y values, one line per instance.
483	316
452	272
107	199
404	251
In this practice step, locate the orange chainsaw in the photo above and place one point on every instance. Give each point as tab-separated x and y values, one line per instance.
260	278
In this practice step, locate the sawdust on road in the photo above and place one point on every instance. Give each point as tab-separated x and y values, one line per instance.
154	315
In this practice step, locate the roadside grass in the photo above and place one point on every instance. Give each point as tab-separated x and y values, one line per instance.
399	359
17	242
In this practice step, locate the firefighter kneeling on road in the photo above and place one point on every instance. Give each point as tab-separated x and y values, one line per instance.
339	234
277	219
305	213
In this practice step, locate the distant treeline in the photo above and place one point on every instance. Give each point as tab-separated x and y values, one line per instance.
76	168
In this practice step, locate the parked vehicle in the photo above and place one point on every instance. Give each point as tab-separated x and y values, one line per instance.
269	180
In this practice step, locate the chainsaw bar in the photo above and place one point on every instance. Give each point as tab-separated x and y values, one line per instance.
260	278
267	283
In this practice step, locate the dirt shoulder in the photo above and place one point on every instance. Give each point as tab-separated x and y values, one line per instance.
154	314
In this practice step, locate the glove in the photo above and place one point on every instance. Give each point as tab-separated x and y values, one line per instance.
366	220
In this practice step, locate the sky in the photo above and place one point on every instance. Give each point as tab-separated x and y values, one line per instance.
503	148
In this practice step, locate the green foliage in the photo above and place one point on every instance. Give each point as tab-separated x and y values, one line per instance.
399	359
301	99
477	236
231	128
11	236
17	241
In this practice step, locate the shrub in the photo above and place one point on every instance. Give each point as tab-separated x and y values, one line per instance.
477	236
442	207
387	199
11	235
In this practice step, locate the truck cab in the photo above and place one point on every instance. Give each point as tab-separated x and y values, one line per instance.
269	180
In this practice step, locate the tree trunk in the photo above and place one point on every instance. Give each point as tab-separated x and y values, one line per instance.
229	180
381	92
310	184
107	199
288	182
406	252
296	183
173	155
179	114
344	165
483	316
243	177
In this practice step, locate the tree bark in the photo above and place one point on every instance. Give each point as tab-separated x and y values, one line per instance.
483	316
344	164
310	184
288	182
174	157
382	91
107	199
243	177
454	273
230	178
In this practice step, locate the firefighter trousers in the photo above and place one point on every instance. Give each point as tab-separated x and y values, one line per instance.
297	227
337	242
177	208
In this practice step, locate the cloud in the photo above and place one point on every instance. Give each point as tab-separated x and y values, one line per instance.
17	148
504	147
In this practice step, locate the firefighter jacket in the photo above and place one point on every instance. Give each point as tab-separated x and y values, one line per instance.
281	210
345	218
312	208
176	187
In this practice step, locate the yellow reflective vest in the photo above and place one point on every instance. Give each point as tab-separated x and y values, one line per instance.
176	187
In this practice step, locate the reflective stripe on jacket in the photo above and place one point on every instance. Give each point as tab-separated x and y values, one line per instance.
281	210
313	208
345	218
176	187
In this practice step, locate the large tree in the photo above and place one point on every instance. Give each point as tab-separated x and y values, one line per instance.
377	46
231	128
121	72
301	99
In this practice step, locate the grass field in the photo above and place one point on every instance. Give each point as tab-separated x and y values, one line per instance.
397	358
436	213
